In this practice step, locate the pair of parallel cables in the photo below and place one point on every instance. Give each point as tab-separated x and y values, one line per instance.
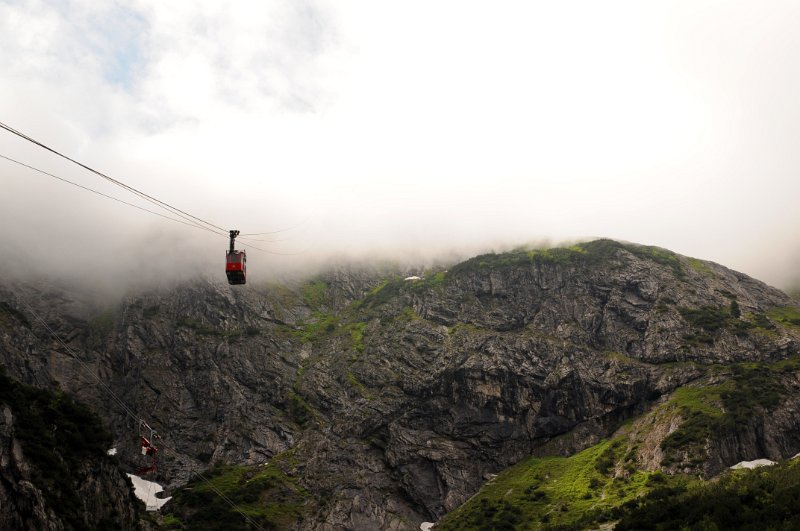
180	215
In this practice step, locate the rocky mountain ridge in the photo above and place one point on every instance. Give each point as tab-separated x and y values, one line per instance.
391	401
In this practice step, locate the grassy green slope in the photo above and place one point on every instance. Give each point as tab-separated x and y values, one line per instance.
607	482
560	492
265	494
759	499
574	493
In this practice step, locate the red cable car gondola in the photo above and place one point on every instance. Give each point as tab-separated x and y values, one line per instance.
235	263
147	450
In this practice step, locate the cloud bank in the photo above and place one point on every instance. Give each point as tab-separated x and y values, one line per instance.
401	130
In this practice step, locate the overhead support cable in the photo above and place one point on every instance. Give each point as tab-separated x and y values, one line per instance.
268	233
196	225
157	202
188	219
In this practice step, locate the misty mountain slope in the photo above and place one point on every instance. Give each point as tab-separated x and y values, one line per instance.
398	398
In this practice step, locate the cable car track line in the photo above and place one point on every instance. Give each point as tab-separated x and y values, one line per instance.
292	227
197	225
189	219
187	223
162	204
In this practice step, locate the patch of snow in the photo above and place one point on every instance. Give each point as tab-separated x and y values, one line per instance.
426	526
146	491
795	456
413	278
113	451
753	464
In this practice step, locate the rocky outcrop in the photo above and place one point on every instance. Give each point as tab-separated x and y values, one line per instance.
45	486
23	503
398	398
771	433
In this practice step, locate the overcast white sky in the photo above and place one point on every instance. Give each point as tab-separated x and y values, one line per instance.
402	128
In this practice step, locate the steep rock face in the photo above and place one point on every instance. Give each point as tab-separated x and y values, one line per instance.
473	373
772	433
609	297
23	504
44	486
399	398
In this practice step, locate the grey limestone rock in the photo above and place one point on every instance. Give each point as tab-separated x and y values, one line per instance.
399	398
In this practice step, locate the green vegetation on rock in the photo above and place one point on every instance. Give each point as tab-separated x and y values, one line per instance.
520	258
708	321
436	279
299	410
707	318
358	386
357	336
381	294
760	320
763	498
714	409
786	315
100	328
604	483
699	265
658	255
59	438
593	252
324	324
266	494
315	294
558	492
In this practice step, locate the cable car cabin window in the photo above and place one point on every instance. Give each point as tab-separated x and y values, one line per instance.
235	257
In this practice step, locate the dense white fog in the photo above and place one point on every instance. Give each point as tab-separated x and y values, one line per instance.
405	131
